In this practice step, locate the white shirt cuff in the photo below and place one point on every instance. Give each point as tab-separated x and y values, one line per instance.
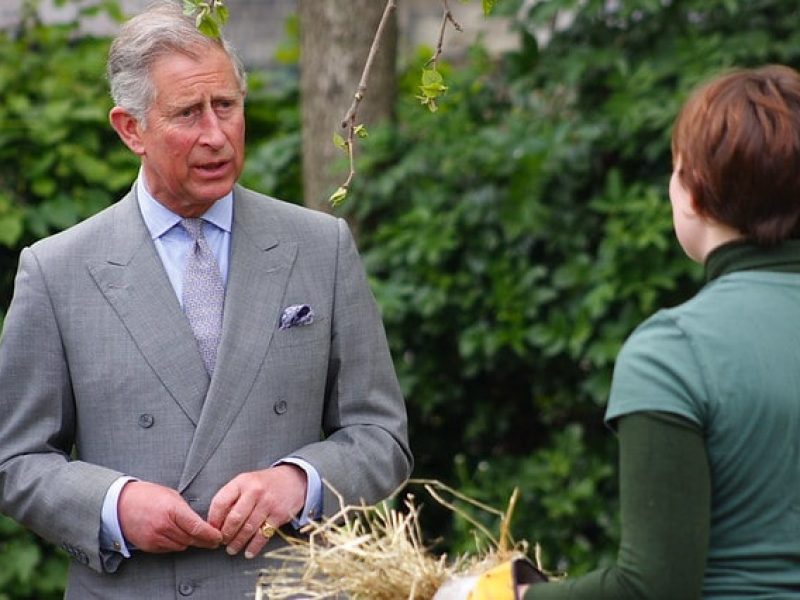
313	507
111	537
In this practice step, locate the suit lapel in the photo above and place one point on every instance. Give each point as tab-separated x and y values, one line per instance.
258	274
134	282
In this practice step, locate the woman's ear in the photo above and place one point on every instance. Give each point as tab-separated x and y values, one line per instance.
695	207
682	201
690	205
127	128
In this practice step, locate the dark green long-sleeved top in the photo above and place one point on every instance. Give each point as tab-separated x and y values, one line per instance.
706	401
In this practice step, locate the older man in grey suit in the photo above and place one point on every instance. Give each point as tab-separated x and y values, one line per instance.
181	373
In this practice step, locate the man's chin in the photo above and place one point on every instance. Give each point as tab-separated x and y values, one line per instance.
210	192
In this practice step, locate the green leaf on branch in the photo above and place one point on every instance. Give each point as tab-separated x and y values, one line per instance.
433	90
432	87
361	131
209	16
488	6
208	27
432	84
429	102
338	196
432	78
222	13
340	142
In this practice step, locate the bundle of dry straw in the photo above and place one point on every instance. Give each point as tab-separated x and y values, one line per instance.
377	553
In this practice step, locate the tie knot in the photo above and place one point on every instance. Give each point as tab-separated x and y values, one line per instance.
194	227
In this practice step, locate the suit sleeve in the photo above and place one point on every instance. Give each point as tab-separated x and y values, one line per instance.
41	487
365	453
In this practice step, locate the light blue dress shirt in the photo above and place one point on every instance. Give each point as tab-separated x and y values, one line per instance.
173	243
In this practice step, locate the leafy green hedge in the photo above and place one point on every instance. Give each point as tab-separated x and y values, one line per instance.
516	237
59	160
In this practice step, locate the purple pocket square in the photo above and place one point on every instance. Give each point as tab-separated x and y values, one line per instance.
295	315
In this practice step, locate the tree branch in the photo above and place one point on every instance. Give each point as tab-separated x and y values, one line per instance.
447	16
349	120
432	87
373	50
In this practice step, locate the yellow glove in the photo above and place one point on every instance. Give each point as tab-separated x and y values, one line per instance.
495	584
498	583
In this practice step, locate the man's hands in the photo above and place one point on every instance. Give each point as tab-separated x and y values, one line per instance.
155	518
240	508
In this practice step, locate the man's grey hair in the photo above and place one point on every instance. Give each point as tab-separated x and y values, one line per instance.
161	29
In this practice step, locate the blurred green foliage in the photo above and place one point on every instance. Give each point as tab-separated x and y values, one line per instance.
59	160
29	570
515	239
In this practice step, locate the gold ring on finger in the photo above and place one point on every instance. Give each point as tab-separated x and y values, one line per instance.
267	530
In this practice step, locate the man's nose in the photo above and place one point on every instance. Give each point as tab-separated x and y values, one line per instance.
212	134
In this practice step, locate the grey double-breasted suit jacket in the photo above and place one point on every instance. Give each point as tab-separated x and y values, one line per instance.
100	376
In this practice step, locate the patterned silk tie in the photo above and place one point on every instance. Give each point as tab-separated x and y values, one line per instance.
203	293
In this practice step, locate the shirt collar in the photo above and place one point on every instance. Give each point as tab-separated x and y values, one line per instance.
742	255
159	219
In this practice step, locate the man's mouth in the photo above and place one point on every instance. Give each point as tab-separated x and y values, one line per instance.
213	168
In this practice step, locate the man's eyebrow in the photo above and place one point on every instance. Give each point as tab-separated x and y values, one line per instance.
227	96
178	104
183	103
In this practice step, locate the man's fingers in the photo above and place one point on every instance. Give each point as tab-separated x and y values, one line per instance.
231	510
250	530
156	519
221	504
199	532
239	518
275	494
173	540
255	545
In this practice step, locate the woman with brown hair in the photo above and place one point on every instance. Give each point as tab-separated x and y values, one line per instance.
706	396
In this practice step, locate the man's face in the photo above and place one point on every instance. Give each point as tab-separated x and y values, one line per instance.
192	148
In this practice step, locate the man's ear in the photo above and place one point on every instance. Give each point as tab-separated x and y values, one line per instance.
128	129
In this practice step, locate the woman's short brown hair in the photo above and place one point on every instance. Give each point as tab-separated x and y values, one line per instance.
738	142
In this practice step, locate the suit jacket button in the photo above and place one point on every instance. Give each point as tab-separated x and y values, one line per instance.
280	407
186	588
146	420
